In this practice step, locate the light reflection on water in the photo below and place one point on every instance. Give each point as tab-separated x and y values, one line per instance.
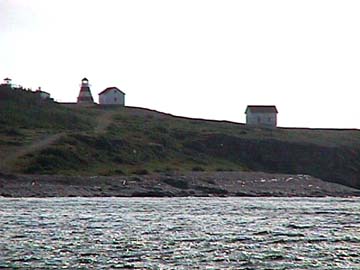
180	233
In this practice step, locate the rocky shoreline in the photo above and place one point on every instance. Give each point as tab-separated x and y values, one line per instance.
253	184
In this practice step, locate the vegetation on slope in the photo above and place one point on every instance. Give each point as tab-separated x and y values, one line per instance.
25	118
24	109
118	140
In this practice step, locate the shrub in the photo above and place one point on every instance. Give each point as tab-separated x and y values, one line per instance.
119	172
198	169
141	172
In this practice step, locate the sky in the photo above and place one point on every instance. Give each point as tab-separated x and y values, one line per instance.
196	58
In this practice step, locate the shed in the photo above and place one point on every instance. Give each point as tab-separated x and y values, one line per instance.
112	96
7	81
261	115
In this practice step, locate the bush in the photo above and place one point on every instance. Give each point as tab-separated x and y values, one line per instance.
119	172
52	159
141	172
11	132
198	169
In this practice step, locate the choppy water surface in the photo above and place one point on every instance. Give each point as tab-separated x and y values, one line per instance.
180	233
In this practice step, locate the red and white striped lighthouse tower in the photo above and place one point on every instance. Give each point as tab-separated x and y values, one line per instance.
85	96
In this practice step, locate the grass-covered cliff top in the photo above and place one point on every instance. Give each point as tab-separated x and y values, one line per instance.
44	137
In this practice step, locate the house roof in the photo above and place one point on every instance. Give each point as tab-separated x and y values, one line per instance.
261	109
111	89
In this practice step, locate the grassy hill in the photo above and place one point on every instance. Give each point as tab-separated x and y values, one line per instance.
43	137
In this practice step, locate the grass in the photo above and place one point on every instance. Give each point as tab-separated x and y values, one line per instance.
140	141
21	108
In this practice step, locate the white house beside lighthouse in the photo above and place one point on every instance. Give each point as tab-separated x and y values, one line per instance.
85	97
260	115
112	96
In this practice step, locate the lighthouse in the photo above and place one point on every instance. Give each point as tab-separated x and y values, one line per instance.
85	96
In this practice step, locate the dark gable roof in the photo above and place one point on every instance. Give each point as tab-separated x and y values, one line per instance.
261	109
111	88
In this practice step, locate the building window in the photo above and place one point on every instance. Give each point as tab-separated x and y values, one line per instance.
259	119
115	99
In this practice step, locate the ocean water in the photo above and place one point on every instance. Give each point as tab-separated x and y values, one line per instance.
180	233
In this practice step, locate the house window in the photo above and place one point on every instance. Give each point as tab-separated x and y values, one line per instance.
259	119
115	99
269	119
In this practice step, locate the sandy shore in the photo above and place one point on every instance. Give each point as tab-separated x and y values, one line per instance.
171	185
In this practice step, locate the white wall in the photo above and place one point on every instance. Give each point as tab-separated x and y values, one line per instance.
112	97
261	119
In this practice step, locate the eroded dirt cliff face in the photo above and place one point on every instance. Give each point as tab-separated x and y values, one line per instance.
336	164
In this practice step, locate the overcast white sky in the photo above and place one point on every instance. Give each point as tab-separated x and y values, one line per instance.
197	58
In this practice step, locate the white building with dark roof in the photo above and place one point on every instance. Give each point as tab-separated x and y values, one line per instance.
260	115
112	96
7	81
